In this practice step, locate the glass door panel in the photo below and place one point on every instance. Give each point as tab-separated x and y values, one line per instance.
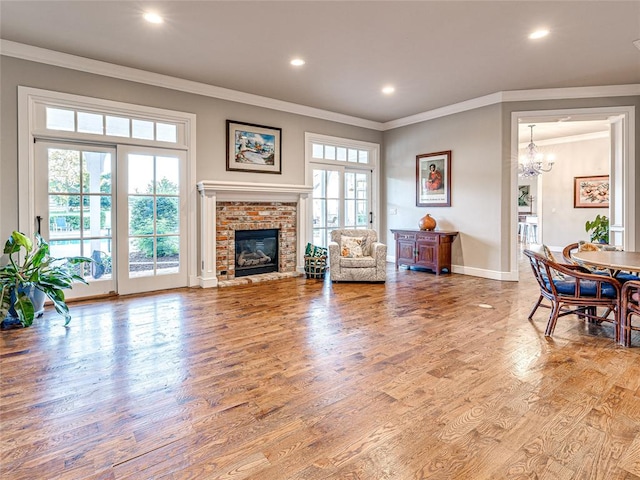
150	212
341	199
76	197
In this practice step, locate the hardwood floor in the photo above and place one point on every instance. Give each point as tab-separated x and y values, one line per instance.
299	379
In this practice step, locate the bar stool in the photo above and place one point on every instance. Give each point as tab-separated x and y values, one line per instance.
531	229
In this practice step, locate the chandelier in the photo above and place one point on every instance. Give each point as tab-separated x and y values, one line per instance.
532	164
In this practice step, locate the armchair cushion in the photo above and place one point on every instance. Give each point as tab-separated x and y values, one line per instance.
351	247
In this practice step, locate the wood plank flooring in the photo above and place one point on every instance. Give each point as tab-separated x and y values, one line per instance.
303	379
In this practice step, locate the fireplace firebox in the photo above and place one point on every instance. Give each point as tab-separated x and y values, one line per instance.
256	251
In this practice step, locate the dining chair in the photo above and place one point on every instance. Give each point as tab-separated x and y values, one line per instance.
630	308
572	291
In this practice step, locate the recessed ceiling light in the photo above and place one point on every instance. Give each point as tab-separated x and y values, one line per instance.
297	62
152	17
388	90
539	34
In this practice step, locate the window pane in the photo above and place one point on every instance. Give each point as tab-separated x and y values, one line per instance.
90	123
64	170
319	237
333	184
141	257
140	173
65	248
341	154
99	250
96	172
352	156
349	185
96	215
318	183
168	254
333	209
318	213
59	119
142	129
317	151
166	132
167	175
363	156
361	212
64	216
141	216
350	213
168	215
118	126
329	152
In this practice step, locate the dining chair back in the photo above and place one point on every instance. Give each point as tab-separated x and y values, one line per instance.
572	291
630	310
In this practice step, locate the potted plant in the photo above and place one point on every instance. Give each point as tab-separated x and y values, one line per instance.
599	229
37	271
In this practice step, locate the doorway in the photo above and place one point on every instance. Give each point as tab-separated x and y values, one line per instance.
586	142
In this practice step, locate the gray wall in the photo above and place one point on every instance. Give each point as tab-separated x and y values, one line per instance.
211	128
481	208
474	137
561	223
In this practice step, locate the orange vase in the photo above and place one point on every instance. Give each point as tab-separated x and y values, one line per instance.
427	222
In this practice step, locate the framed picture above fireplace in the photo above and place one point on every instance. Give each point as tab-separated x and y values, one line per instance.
253	148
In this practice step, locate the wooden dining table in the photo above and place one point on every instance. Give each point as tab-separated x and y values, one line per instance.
616	261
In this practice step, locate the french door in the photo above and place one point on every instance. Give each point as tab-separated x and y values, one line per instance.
341	199
74	202
122	207
151	219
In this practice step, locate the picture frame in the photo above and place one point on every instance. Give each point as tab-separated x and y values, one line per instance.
253	148
591	192
433	179
524	199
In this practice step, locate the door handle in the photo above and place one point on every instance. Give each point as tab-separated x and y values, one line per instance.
39	220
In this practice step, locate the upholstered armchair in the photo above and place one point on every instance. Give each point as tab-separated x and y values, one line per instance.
356	255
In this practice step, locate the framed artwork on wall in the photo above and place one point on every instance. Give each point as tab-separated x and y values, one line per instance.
253	148
433	179
591	192
524	198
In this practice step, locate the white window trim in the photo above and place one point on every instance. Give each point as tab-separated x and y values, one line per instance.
29	99
373	165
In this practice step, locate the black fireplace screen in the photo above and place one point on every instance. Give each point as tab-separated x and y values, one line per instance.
256	251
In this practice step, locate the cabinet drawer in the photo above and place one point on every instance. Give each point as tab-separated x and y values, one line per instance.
428	237
405	236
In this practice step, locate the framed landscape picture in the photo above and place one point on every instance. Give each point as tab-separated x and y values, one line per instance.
433	179
253	148
591	192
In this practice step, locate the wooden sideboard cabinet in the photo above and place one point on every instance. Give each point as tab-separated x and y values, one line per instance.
425	249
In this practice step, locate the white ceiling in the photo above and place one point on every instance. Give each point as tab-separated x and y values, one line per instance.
436	53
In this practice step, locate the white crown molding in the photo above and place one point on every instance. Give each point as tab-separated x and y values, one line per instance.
87	65
50	57
568	139
444	111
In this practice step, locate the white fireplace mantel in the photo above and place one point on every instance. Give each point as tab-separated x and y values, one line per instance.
212	191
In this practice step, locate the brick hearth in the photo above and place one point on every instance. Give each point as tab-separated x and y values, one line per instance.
232	216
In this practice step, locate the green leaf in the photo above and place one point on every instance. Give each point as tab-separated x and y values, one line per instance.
24	309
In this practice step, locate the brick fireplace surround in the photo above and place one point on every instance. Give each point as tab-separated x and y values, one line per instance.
229	206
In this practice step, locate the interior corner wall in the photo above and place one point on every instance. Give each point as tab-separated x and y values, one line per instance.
478	169
212	114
